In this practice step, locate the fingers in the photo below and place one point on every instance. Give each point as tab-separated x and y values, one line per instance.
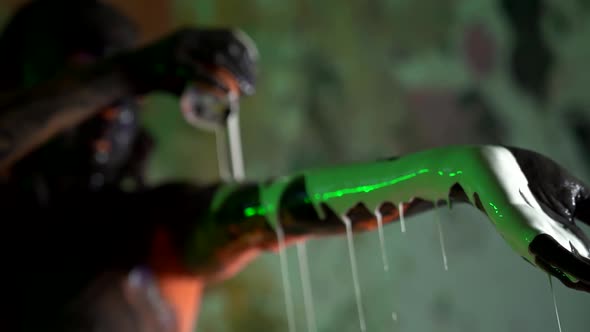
580	285
210	50
558	261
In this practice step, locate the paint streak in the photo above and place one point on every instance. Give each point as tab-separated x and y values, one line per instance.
289	307
441	239
306	286
554	303
401	217
355	277
379	217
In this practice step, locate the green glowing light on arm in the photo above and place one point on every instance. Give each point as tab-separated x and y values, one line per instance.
250	212
496	210
368	188
254	211
261	210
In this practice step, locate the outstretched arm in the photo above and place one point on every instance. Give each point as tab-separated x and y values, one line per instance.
191	236
528	198
30	117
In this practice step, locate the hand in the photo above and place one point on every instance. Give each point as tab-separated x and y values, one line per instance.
561	263
222	60
552	200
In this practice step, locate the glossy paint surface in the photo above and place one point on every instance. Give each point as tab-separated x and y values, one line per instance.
489	174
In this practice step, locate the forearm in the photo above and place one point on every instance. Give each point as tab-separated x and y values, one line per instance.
244	219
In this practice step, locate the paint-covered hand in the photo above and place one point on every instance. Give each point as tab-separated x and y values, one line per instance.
220	60
557	198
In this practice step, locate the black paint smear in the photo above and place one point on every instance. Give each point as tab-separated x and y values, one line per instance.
557	191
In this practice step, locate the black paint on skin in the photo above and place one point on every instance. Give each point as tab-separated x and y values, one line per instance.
564	198
558	192
556	260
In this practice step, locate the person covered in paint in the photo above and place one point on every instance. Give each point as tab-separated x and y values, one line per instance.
71	142
91	255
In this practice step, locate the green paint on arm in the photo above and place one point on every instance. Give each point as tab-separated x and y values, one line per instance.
427	175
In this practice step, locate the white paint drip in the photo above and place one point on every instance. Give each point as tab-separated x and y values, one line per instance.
238	173
269	198
441	238
401	217
355	278
222	154
235	141
394	316
379	217
286	282
306	286
554	303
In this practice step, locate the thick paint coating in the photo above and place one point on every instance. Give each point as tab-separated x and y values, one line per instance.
484	171
491	178
270	199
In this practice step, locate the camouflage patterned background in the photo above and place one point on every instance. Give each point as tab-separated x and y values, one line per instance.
354	80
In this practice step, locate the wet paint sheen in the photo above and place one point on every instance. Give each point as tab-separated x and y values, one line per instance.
427	175
491	172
